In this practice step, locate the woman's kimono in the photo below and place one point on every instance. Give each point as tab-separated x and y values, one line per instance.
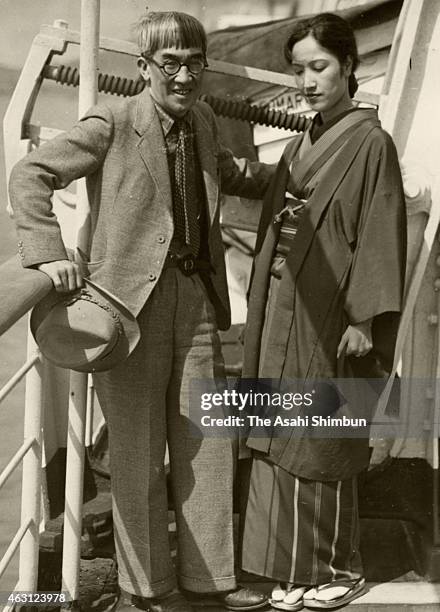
345	265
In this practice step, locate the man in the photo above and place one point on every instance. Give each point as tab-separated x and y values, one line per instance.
153	166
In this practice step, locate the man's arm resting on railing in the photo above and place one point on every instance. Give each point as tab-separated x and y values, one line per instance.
20	289
64	274
69	156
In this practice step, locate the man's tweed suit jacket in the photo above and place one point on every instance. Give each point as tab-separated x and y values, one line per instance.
121	150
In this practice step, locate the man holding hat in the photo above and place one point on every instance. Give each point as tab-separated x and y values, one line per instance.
154	171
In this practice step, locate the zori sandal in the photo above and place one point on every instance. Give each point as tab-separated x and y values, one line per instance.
279	591
334	594
287	597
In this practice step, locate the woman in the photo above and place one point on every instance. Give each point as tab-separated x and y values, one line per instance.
325	301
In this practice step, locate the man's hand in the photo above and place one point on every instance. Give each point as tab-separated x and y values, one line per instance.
357	339
65	275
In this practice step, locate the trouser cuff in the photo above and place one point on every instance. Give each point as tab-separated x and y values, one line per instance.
144	589
210	585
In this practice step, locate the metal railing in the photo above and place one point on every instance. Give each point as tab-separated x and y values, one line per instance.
21	106
29	454
20	290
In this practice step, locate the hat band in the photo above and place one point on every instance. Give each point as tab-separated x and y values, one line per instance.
86	296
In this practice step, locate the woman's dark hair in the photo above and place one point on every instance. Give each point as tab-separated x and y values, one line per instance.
334	34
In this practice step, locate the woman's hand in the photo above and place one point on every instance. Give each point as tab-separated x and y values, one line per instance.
65	275
357	339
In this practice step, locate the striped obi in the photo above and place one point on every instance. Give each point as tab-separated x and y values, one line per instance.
289	217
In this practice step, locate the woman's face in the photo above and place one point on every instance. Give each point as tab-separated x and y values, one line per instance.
321	78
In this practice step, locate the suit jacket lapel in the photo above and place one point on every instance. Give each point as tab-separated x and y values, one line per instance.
152	146
206	148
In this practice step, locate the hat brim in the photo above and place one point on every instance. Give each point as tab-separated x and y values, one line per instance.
113	355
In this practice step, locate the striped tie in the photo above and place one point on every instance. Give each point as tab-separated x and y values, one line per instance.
187	227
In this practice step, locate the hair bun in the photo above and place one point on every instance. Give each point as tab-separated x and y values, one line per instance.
353	85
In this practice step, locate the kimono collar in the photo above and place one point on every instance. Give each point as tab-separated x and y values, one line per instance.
319	127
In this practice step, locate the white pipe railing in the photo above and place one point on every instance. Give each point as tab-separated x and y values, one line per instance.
74	485
31	482
27	536
13	546
90	412
89	48
14	380
30	453
16	460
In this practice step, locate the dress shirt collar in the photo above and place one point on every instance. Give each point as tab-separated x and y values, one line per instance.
167	121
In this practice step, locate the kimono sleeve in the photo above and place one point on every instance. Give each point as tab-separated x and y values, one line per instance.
376	281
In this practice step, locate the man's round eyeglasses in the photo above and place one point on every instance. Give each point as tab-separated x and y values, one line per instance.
172	67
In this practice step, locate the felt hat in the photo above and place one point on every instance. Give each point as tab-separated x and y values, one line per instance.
88	330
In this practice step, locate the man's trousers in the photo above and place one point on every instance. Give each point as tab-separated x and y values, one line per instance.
145	403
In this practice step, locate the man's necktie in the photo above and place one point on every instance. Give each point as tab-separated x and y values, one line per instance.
187	226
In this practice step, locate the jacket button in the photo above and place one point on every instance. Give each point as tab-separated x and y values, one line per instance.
151	277
161	239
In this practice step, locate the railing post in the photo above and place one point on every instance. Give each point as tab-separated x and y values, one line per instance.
90	412
31	488
74	484
90	11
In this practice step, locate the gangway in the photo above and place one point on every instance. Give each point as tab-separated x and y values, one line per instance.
20	136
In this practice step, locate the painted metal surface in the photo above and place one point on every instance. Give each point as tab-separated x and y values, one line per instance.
89	47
